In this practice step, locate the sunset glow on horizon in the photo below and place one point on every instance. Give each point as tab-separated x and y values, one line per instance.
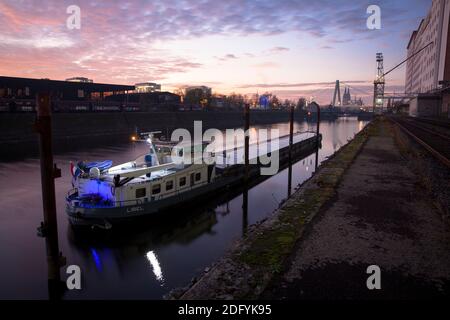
290	48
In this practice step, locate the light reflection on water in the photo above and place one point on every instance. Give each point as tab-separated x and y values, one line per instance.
151	259
155	266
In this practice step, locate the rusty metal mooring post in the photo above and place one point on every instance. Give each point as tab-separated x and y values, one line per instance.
317	136
247	169
318	125
291	143
245	210
247	139
49	227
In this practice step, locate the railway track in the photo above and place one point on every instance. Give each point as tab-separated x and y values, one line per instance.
434	122
437	143
431	129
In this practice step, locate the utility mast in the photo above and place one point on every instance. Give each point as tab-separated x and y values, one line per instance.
378	91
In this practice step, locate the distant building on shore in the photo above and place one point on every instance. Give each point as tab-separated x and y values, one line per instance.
428	73
19	95
348	102
149	101
346	98
218	101
197	97
207	91
145	87
80	79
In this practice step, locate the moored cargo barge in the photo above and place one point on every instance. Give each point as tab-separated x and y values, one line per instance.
103	195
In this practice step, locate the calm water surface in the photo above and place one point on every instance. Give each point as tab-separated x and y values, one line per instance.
150	260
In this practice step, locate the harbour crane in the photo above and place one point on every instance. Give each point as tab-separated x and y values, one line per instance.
379	83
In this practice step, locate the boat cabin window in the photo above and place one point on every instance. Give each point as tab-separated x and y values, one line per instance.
182	181
180	153
156	189
198	176
169	185
140	193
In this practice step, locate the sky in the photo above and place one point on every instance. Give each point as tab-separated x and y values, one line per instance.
292	48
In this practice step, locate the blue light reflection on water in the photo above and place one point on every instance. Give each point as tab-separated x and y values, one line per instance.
96	257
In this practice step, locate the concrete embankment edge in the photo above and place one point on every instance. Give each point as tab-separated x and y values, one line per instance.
252	262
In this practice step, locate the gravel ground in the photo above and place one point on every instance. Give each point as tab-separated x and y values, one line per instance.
382	215
432	127
434	176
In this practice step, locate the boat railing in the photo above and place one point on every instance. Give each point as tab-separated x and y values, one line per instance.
242	145
71	192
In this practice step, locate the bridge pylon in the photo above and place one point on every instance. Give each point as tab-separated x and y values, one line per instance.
337	92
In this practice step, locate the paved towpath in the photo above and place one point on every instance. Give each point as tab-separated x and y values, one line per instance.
381	216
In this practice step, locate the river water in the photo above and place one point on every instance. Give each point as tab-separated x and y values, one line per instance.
150	260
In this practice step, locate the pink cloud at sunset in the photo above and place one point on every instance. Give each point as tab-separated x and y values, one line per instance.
240	46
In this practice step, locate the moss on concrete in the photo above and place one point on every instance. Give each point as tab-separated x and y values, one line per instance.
268	251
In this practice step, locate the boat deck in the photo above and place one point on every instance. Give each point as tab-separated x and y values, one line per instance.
229	157
224	158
